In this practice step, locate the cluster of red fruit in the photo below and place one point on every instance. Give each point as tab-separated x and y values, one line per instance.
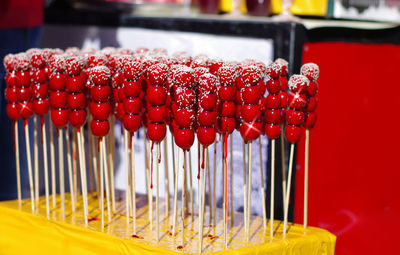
311	71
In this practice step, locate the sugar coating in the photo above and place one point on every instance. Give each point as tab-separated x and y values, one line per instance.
57	63
199	71
207	83
159	73
251	74
310	70
135	67
274	70
21	61
185	95
72	51
100	73
298	80
226	75
9	62
97	59
183	76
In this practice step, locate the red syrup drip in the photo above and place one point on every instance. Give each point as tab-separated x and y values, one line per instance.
41	128
14	134
132	134
151	165
159	154
225	181
56	131
180	247
98	145
138	237
25	124
211	236
202	159
94	218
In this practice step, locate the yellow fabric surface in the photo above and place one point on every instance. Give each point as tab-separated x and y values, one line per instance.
302	7
22	232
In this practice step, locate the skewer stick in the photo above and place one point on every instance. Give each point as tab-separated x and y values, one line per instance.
271	213
36	158
82	163
175	195
95	157
249	192
286	205
191	185
28	158
90	152
127	188
183	198
61	169
151	189
264	207
157	193
244	191
17	166
111	143
209	187
75	163
199	190
215	186
203	194
53	165
101	183
305	220
231	177
106	178
69	160
46	170
225	171
166	176
133	183
283	163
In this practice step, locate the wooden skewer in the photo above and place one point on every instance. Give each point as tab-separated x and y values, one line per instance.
82	163
191	186
264	207
111	143
46	170
127	188
199	192
286	205
133	184
90	152
271	212
17	166
231	177
166	176
244	191
95	158
183	198
175	194
225	189
157	193
101	183
151	189
249	192
106	178
69	160
75	163
203	192
215	186
283	163
209	188
28	158
61	169
36	158
305	220
53	165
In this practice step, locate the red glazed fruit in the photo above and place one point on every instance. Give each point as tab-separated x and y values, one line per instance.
39	75
297	101
99	128
156	95
26	109
25	94
77	118
157	113
183	77
57	81
132	88
227	109
250	131
41	107
292	133
298	83
157	74
295	117
312	88
208	101
58	99
75	83
100	110
76	101
274	70
132	105
250	113
100	75
73	66
311	118
226	125
273	86
184	118
184	138
226	75
226	93
206	135
284	98
40	90
100	93
156	131
250	95
311	104
11	94
251	75
132	69
119	111
23	78
132	122
273	102
11	79
273	131
59	117
185	98
273	116
206	118
13	111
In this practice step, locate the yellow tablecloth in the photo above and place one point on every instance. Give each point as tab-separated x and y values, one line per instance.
24	232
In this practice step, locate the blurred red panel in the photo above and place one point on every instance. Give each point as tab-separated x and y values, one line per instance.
354	149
